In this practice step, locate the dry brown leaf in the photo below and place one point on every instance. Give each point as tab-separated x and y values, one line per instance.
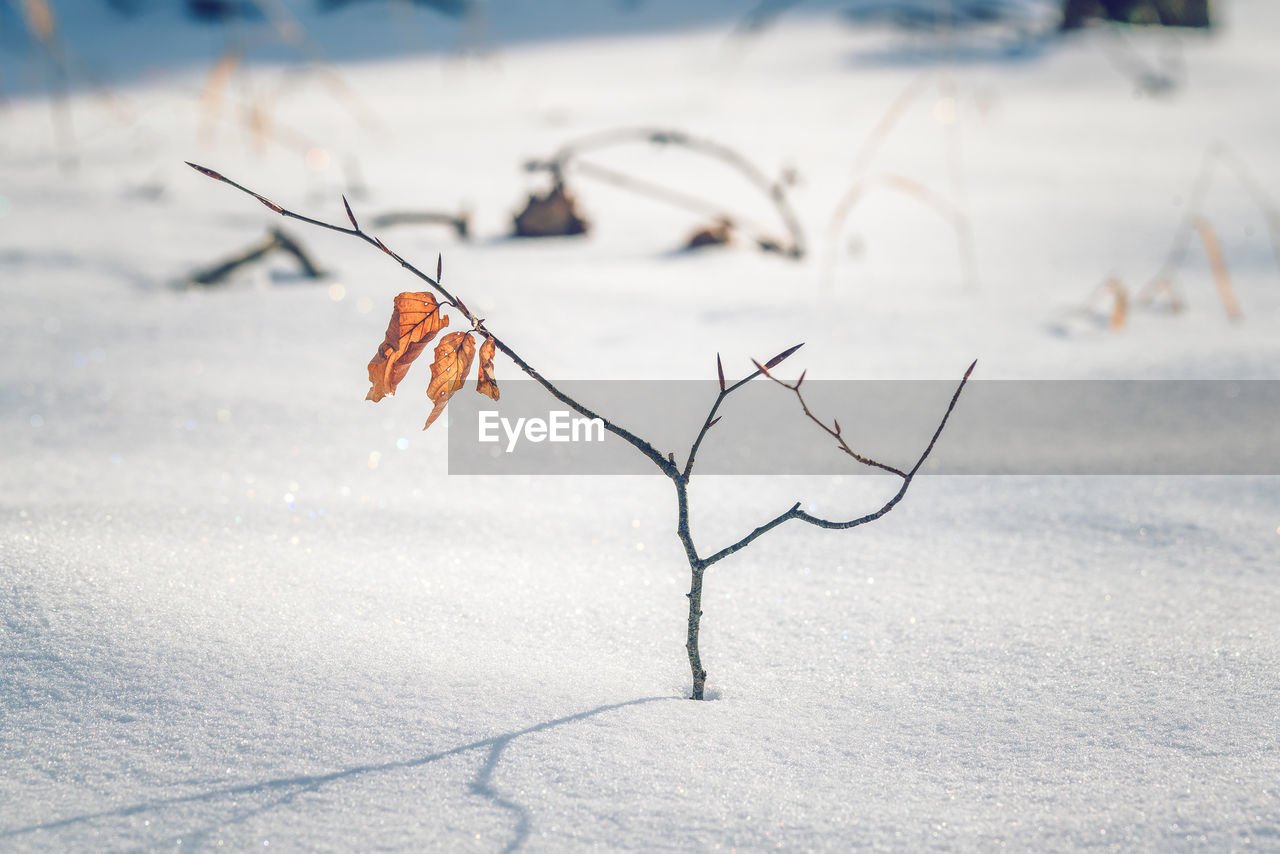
415	320
485	383
449	370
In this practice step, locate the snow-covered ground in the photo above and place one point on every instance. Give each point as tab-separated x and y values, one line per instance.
240	607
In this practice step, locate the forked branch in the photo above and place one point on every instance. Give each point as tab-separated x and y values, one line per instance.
680	477
835	432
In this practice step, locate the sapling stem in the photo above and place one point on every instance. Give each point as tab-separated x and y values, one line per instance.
680	477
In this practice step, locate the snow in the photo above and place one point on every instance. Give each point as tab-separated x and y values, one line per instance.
243	608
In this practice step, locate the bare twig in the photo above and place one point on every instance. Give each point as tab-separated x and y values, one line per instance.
680	478
796	513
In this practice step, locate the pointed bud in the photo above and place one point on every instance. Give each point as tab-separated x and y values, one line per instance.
971	367
777	360
350	215
720	371
837	426
802	373
203	171
439	267
274	207
715	421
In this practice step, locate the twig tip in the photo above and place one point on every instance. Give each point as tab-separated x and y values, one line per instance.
205	171
776	360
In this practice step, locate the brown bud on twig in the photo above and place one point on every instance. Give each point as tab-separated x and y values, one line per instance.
205	171
720	371
439	267
350	215
714	421
777	360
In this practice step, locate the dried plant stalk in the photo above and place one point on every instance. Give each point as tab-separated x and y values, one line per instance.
1221	279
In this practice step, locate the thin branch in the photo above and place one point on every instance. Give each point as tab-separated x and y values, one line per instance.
666	466
834	432
796	513
711	418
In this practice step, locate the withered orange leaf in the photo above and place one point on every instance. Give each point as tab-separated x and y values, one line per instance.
449	370
415	320
485	383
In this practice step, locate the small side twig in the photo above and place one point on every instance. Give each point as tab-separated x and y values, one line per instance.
837	524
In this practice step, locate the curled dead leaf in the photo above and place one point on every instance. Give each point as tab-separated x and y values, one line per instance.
449	370
415	320
485	383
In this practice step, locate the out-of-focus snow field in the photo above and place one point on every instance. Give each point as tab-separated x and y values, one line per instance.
240	607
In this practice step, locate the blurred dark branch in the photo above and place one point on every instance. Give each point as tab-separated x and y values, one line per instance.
276	240
459	222
569	155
